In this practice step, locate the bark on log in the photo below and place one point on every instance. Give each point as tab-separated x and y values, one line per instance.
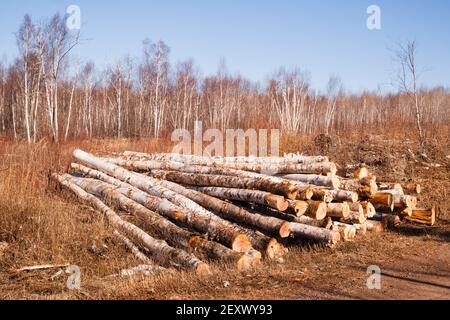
218	229
383	202
207	180
355	217
365	187
317	180
310	168
361	228
316	210
314	233
133	249
297	207
267	183
357	207
322	195
325	223
344	196
347	231
159	249
270	225
338	210
254	196
423	216
162	227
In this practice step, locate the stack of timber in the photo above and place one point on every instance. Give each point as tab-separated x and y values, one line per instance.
188	211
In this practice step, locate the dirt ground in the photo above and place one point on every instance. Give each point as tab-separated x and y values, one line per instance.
38	226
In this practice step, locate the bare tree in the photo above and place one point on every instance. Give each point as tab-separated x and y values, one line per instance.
334	92
407	79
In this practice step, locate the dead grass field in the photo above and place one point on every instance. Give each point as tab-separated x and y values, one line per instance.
41	226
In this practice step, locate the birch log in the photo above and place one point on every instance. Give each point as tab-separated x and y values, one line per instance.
159	249
297	207
254	196
267	183
383	202
218	229
355	217
162	227
304	231
133	249
322	195
364	187
338	210
344	196
209	180
314	179
347	231
209	161
316	210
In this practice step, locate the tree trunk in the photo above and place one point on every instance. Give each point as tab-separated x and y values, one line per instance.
268	183
338	210
210	161
253	196
134	250
160	250
207	180
423	216
344	196
355	217
383	202
347	231
304	231
297	207
317	180
223	231
161	227
364	187
369	209
316	210
322	195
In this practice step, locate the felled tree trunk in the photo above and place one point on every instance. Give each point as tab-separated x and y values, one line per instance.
383	202
253	196
313	168
134	250
412	188
159	249
314	179
423	216
365	187
266	183
297	207
208	180
325	223
355	217
316	210
161	227
338	210
322	195
304	231
344	196
207	161
204	221
347	231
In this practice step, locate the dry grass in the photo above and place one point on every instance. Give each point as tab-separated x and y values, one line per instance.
42	226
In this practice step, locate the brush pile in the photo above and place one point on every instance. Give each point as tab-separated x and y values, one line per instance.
188	210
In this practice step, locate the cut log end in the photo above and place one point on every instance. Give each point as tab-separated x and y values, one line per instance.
275	250
277	202
285	230
249	259
241	243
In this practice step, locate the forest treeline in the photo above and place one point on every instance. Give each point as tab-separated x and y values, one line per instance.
46	93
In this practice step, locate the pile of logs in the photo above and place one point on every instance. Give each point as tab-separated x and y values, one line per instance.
189	210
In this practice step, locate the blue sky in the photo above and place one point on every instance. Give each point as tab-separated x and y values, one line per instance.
255	37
